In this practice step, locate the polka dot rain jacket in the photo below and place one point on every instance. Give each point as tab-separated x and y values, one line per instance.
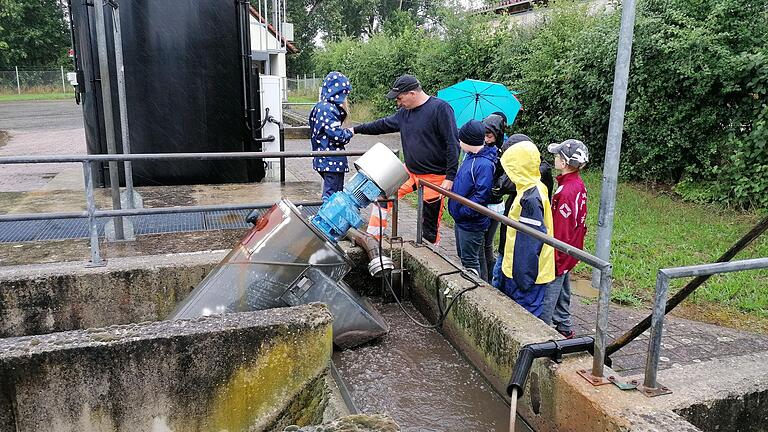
325	121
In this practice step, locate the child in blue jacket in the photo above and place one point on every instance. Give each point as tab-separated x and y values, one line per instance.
325	121
474	181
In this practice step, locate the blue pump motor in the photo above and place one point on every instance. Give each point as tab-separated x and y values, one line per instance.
342	210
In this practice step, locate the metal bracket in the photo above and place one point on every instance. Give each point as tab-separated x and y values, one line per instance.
619	381
594	380
92	264
651	391
297	289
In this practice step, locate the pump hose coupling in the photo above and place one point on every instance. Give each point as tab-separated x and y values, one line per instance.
552	349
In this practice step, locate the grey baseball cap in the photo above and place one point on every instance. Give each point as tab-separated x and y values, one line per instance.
572	151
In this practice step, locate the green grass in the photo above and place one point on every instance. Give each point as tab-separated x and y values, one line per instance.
294	98
654	229
35	96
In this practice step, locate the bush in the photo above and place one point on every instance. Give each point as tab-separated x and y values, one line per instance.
696	108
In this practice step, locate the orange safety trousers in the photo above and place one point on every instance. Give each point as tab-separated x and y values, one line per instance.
433	207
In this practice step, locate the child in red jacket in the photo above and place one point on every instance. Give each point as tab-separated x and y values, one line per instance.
569	215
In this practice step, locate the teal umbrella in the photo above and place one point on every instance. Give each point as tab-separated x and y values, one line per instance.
473	99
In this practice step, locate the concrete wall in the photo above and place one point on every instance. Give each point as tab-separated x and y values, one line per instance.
250	371
489	328
39	299
726	394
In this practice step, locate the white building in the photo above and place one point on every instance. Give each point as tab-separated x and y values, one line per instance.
270	42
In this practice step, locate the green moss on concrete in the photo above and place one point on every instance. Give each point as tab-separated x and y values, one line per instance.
306	408
258	391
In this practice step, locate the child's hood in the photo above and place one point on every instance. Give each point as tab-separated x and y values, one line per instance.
521	163
336	87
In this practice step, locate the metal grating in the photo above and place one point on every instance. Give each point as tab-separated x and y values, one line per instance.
62	229
165	223
229	219
20	231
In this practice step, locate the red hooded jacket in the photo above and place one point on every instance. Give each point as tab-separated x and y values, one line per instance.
569	216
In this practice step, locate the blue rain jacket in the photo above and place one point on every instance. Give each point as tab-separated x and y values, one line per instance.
325	123
474	181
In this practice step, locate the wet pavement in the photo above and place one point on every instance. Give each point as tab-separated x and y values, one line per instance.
41	128
415	376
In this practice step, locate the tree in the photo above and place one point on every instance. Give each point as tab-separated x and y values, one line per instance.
33	33
334	20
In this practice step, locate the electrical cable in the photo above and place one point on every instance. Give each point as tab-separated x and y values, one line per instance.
442	315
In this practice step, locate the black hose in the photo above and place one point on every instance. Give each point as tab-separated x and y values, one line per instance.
552	349
442	314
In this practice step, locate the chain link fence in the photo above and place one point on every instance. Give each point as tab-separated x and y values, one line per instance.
25	81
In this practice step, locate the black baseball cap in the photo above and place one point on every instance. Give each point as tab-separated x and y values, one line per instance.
403	84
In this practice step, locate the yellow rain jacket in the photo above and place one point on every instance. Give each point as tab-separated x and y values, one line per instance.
528	264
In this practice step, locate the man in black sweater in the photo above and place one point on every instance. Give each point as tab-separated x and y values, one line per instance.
430	143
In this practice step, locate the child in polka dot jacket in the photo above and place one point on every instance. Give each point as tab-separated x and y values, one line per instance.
325	121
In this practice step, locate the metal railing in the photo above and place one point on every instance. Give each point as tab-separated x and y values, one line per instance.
91	212
650	386
596	377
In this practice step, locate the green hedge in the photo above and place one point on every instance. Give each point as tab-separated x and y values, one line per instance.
696	109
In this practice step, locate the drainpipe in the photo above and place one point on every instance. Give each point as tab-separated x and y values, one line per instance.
379	263
552	349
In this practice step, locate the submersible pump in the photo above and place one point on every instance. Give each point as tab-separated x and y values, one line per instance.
289	257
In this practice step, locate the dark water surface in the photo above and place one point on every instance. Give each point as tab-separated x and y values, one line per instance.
418	378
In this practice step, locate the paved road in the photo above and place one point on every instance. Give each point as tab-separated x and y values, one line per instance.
41	128
40	115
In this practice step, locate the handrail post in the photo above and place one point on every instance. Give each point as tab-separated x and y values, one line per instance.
601	326
657	327
96	260
420	213
282	149
395	212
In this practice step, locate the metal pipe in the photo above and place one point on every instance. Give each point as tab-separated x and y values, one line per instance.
5	160
690	287
91	206
142	211
601	324
660	303
716	268
106	102
420	213
557	244
552	349
15	217
615	130
657	324
395	212
282	149
122	99
378	264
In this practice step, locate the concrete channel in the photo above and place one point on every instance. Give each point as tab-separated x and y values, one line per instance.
84	348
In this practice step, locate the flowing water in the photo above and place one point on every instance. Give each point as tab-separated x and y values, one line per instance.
418	378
